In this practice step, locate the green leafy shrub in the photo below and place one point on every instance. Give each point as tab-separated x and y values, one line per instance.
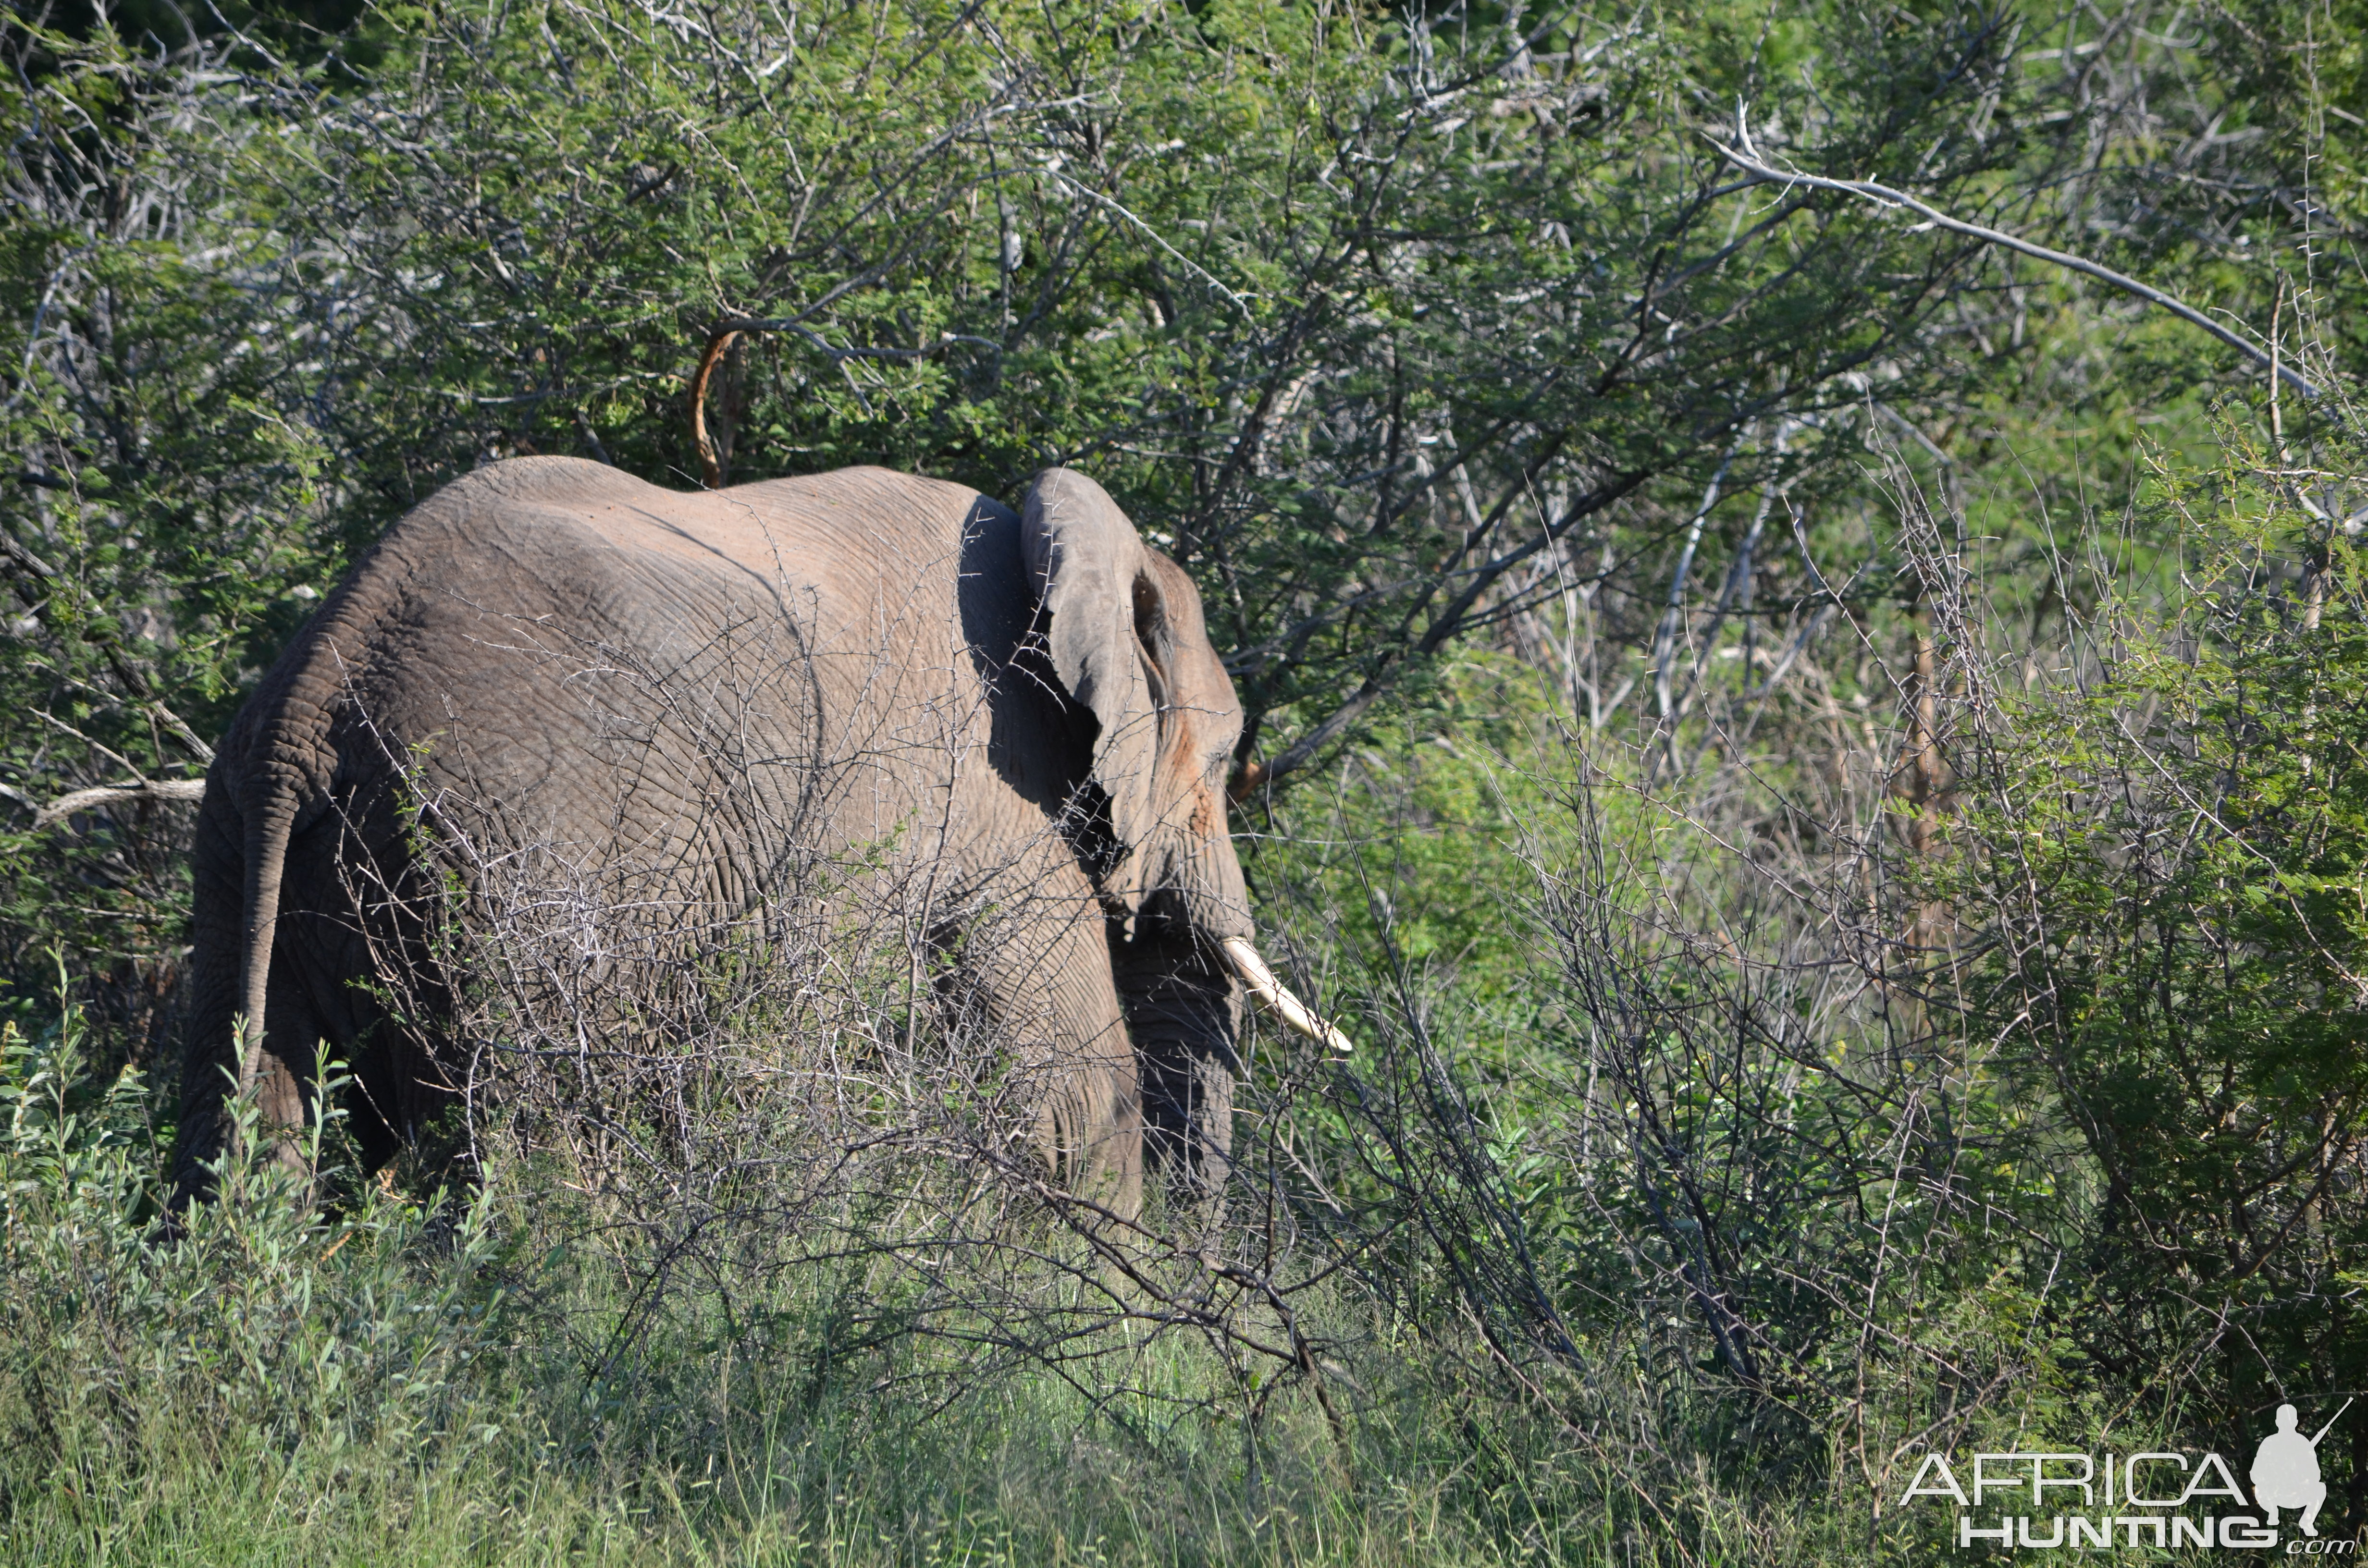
2164	886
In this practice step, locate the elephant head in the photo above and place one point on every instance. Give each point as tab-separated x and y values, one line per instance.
1121	628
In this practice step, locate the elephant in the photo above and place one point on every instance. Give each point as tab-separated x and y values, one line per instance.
1018	712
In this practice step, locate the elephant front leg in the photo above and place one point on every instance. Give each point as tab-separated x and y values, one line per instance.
1045	974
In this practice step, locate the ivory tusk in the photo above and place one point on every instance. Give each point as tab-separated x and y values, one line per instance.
1277	996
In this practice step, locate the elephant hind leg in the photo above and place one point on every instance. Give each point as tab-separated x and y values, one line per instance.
209	1035
289	1064
396	1097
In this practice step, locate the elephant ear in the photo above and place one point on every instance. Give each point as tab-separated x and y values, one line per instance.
1105	621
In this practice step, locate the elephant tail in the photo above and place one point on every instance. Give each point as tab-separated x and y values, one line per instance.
270	819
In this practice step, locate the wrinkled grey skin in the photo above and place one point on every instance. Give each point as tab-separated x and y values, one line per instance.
1027	707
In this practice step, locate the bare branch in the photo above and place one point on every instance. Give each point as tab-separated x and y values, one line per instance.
64	806
1748	160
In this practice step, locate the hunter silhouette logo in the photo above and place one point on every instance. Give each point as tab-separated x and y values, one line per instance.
2285	1469
2166	1499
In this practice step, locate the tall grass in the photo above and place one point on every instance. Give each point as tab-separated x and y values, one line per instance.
383	1378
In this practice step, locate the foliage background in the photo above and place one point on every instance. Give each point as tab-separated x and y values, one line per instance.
1822	758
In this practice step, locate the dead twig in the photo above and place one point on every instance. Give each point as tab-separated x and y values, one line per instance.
1748	160
66	805
721	337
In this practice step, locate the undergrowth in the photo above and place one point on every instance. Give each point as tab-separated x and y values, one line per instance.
332	1371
